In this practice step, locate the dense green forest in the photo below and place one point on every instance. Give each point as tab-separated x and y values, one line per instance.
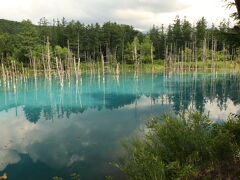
23	41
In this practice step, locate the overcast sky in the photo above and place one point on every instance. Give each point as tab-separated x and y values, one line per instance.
142	14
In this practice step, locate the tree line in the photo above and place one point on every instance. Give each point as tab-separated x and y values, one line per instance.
114	42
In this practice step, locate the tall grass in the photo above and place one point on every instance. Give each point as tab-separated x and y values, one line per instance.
208	64
186	147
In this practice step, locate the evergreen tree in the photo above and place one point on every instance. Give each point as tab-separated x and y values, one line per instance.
44	29
187	31
170	38
156	39
26	41
6	45
147	49
201	30
177	33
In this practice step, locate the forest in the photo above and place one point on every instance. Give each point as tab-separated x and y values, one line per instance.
111	101
23	42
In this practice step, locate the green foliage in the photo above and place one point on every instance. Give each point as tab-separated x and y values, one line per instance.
236	3
26	41
137	51
57	178
6	44
108	178
146	49
129	53
201	30
10	27
75	176
209	63
132	52
188	53
177	32
158	39
190	146
61	52
237	58
111	34
116	42
43	29
186	30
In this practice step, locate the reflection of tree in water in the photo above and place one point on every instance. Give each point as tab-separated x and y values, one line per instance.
32	113
181	91
48	112
220	89
68	110
116	101
200	99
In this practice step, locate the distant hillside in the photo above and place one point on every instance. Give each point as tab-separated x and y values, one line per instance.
7	26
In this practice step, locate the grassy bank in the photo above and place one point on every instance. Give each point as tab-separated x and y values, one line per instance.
156	67
185	147
209	65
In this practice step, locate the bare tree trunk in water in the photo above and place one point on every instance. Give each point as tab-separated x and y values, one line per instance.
204	58
48	58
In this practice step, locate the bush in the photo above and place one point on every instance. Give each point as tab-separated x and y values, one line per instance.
190	146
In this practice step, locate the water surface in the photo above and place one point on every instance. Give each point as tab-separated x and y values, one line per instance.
48	130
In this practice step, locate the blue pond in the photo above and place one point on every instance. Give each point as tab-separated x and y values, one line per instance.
47	130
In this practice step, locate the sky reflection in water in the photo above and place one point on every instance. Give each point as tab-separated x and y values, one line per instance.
47	130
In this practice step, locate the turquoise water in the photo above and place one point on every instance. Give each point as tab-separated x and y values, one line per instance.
47	130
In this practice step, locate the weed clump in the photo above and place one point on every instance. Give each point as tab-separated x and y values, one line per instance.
189	146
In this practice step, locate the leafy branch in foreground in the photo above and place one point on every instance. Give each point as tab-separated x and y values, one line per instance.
190	146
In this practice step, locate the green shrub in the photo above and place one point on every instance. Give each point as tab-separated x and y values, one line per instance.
190	146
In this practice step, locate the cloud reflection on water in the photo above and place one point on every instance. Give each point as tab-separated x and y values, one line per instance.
63	133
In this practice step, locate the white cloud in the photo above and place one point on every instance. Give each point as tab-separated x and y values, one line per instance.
67	141
221	114
140	13
8	157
